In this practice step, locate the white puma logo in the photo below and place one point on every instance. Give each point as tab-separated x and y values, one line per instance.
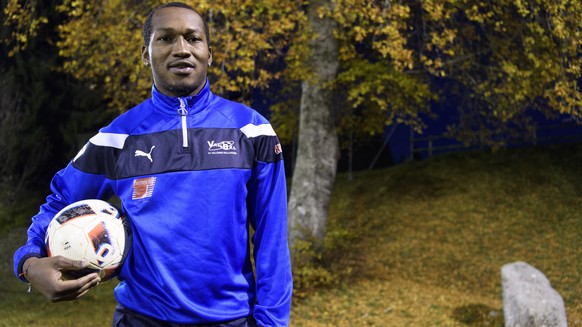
140	153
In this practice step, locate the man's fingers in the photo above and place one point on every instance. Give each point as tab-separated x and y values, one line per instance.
88	281
85	288
76	288
68	264
73	269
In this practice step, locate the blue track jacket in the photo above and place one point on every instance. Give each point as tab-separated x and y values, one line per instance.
192	174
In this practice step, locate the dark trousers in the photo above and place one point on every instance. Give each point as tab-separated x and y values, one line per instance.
123	317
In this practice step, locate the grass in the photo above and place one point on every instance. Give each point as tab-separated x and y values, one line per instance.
433	235
418	244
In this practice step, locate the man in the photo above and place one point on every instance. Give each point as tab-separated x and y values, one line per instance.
213	167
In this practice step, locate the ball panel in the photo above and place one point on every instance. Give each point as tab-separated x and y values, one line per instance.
68	241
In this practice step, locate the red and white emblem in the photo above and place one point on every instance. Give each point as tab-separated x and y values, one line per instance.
143	188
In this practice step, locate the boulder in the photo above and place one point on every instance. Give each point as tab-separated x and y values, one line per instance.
528	298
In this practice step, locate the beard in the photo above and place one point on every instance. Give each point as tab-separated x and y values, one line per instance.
183	90
181	87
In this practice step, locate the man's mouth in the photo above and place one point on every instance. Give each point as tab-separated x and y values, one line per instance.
181	68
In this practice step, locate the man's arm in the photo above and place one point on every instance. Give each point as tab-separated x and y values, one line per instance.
30	262
268	211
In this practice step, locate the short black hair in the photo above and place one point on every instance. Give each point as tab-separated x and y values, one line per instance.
147	26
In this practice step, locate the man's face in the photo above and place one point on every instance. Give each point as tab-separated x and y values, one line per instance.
178	52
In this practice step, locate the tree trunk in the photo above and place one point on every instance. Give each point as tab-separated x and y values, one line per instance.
318	149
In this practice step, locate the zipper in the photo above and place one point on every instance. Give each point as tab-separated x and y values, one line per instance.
183	112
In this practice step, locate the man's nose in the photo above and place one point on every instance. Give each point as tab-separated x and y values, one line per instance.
181	47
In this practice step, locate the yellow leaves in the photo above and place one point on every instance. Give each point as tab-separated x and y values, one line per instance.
507	54
559	28
24	22
474	14
443	42
244	34
96	50
74	8
360	33
509	67
323	11
566	97
510	56
368	22
522	8
22	38
248	34
382	96
435	11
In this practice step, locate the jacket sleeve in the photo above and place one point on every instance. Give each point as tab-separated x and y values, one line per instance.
68	185
267	204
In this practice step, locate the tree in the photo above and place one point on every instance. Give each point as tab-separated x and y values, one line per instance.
499	60
363	41
492	61
318	149
43	110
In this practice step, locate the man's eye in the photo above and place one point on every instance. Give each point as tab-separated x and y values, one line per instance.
193	39
164	38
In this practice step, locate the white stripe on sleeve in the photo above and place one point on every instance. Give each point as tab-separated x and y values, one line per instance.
251	130
109	139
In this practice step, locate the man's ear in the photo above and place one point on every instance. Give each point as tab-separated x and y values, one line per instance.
145	55
209	56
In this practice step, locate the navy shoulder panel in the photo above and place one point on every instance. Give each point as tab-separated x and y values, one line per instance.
119	156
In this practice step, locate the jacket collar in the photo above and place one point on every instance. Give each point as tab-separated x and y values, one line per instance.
171	105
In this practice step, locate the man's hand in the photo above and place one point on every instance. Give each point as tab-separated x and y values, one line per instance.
44	274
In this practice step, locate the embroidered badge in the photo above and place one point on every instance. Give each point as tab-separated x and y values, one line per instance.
223	147
143	188
278	148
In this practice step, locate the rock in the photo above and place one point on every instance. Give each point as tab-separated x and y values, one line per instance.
528	298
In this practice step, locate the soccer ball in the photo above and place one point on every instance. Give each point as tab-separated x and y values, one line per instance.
93	230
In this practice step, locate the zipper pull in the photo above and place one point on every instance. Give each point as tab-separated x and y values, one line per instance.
182	111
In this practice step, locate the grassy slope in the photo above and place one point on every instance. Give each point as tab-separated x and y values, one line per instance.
423	242
433	236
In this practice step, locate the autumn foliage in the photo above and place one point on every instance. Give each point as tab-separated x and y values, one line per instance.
498	58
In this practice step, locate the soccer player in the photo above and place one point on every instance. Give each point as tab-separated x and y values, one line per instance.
194	172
